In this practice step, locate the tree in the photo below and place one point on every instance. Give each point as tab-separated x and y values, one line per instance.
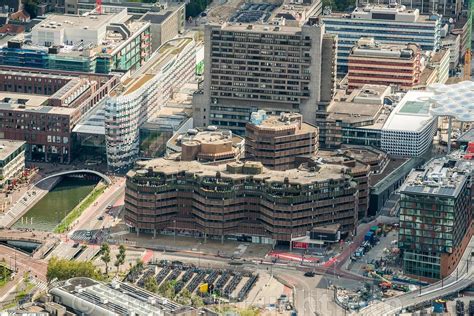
31	6
195	7
196	301
329	3
151	284
105	256
339	5
167	290
251	311
184	297
120	257
62	269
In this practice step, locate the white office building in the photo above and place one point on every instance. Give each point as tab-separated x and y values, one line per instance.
12	160
410	128
84	296
387	24
142	96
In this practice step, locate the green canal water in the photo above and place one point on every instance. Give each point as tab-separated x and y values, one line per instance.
56	204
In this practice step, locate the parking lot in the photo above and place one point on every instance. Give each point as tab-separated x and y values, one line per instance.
232	285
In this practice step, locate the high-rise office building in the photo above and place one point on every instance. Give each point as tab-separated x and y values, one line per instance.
436	217
100	43
384	64
448	8
278	68
140	98
43	106
393	24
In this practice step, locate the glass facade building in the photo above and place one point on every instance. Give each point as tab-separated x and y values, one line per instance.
126	54
435	217
145	93
388	25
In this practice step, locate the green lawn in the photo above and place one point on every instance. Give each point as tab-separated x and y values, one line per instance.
23	289
5	274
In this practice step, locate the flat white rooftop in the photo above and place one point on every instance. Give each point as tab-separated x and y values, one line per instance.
412	113
63	21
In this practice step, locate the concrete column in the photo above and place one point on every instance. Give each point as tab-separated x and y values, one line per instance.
291	242
138	231
450	130
154	233
205	237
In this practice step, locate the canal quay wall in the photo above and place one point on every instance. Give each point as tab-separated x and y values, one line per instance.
46	240
27	201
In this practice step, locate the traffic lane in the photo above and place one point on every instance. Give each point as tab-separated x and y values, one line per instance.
108	220
432	291
23	262
392	305
310	300
90	221
334	271
110	194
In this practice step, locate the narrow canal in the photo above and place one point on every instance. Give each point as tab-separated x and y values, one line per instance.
56	204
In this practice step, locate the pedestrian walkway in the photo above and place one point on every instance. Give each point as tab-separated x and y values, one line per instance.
28	200
147	256
82	235
293	257
40	285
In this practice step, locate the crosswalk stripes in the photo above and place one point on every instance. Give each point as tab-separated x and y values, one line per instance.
42	286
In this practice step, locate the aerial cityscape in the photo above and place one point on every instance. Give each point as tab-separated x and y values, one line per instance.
236	157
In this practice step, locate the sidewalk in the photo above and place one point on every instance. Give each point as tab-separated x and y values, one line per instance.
229	248
27	201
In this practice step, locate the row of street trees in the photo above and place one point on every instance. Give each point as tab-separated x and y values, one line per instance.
106	258
63	269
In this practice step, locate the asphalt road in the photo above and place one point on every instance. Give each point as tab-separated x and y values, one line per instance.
457	281
23	262
309	298
89	219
